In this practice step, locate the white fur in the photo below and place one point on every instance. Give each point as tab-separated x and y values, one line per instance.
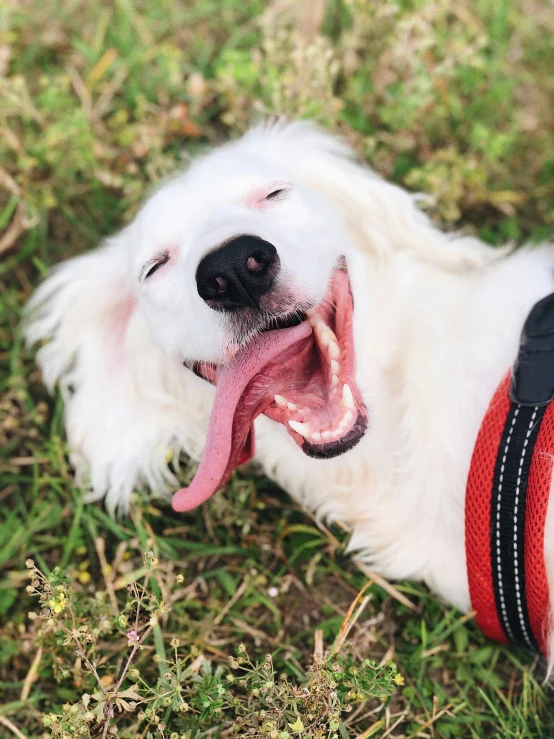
437	322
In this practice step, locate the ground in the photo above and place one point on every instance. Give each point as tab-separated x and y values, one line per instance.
98	102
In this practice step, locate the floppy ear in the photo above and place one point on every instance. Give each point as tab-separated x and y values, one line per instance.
126	404
380	217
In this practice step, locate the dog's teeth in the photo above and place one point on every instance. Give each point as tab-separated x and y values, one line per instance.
346	420
326	337
332	337
282	402
334	380
335	367
301	428
334	350
347	397
323	336
316	436
291	406
326	434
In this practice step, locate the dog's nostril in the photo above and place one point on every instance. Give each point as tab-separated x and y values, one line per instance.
253	265
238	273
221	285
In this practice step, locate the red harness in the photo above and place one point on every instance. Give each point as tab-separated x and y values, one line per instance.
507	495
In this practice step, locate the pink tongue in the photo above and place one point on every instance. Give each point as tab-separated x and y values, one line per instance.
232	381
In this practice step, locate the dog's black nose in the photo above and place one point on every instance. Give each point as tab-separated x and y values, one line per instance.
237	274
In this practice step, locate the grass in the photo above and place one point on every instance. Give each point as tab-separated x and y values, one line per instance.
98	101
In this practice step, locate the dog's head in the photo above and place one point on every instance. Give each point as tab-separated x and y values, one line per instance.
247	270
242	273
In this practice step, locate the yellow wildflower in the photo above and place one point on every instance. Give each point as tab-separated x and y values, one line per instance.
297	726
57	603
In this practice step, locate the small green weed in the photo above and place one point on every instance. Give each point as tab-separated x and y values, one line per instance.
191	693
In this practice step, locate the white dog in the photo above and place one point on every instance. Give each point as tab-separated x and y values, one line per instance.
366	344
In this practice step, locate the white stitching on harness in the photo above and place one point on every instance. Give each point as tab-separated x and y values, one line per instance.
516	505
498	506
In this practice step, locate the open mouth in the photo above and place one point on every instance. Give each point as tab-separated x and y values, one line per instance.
301	375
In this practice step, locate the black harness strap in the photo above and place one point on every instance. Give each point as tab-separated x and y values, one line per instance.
508	504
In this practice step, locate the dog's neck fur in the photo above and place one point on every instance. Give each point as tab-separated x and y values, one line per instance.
430	363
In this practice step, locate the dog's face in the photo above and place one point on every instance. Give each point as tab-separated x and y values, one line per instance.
241	275
230	249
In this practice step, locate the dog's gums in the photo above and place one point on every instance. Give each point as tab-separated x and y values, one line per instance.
302	377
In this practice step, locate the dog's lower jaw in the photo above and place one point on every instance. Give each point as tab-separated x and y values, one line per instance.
341	446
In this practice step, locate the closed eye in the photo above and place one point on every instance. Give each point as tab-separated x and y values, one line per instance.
152	266
275	193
